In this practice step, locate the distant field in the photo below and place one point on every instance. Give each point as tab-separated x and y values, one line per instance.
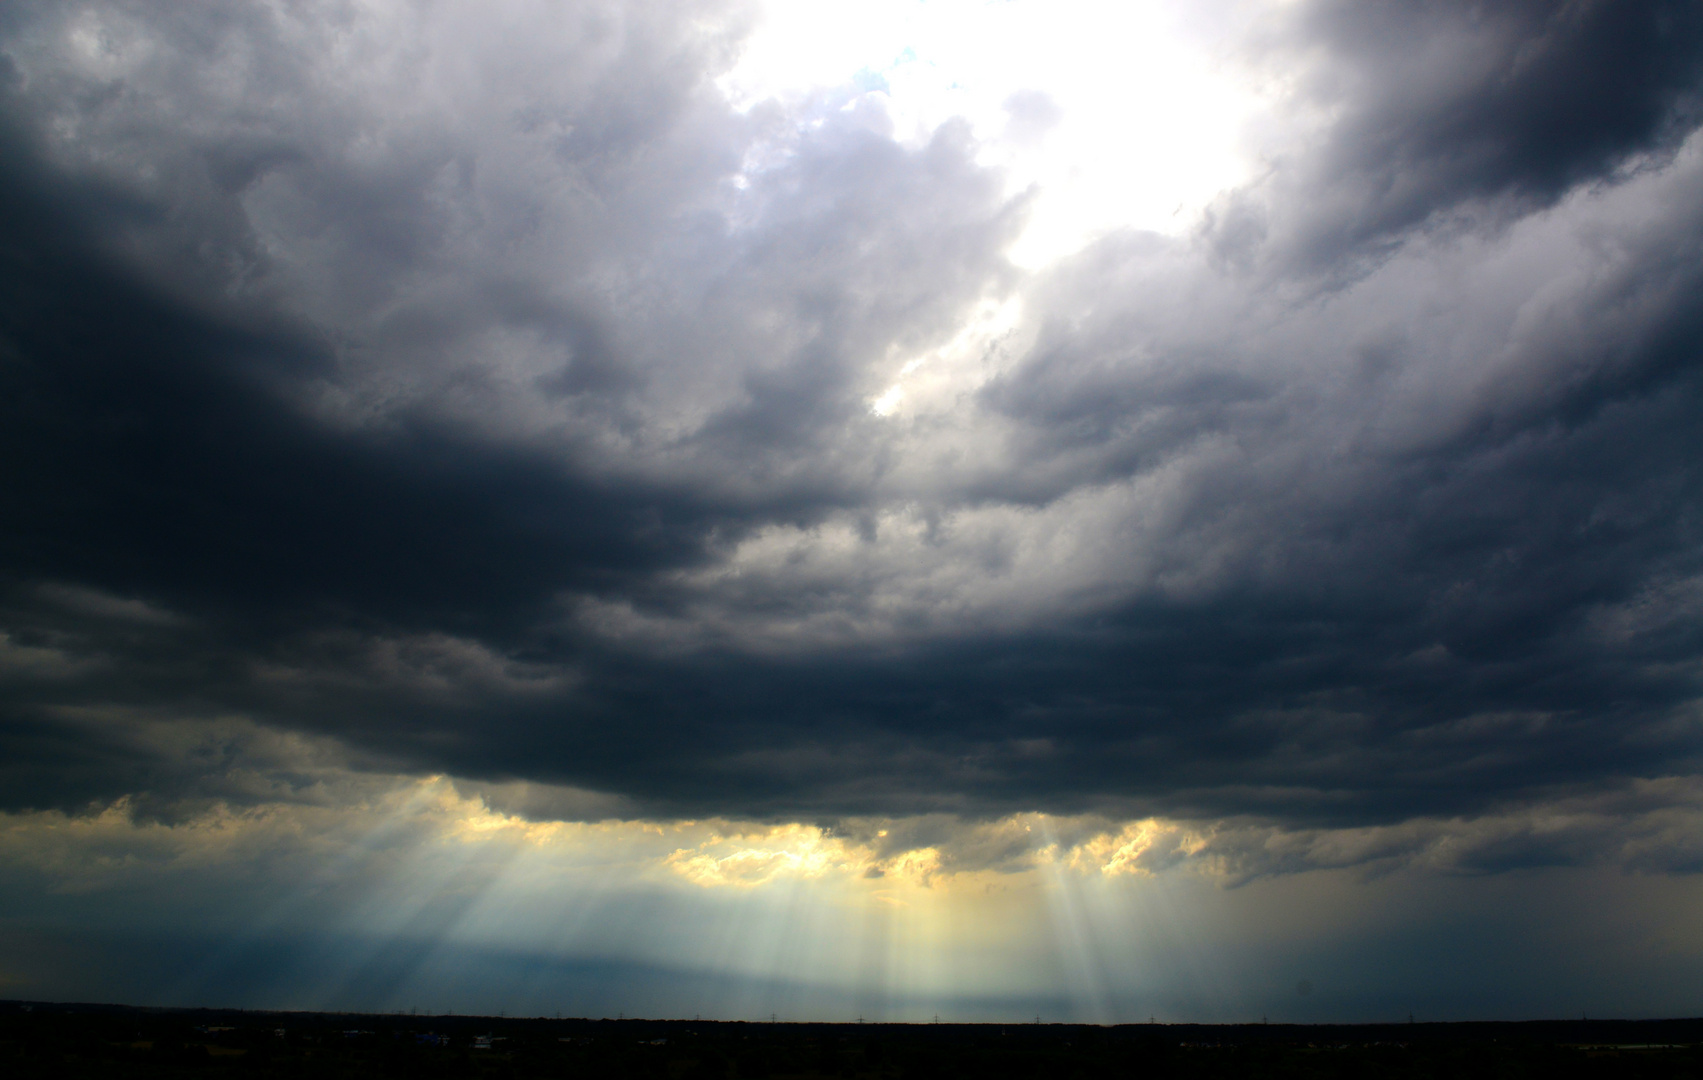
58	1040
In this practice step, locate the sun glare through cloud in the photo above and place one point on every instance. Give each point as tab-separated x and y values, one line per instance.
1116	115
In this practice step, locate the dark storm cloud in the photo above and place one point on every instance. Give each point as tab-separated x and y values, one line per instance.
1449	107
503	408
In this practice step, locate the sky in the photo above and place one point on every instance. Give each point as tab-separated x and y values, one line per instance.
984	509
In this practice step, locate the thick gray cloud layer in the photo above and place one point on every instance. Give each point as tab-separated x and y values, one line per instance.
483	390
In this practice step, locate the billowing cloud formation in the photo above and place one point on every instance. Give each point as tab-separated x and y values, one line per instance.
481	392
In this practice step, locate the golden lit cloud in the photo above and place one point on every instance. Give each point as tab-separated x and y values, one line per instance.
746	860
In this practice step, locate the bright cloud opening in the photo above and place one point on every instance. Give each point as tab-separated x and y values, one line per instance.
1116	114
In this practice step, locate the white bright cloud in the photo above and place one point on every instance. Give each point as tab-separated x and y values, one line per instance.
1119	114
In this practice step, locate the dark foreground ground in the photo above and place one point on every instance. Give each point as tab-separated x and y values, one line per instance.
42	1040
